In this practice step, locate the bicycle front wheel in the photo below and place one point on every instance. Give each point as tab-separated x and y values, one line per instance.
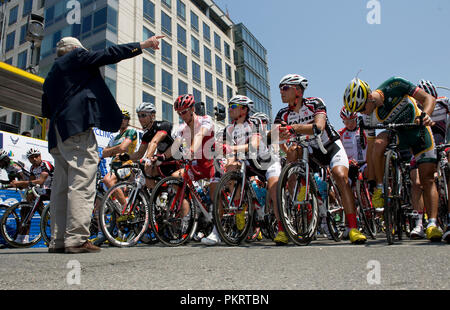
46	230
366	210
391	179
233	212
124	214
298	209
172	212
19	227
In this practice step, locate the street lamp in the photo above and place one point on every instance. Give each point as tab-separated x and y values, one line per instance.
35	35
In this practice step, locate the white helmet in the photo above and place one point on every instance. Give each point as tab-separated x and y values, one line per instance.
242	100
3	154
146	107
294	79
33	151
261	116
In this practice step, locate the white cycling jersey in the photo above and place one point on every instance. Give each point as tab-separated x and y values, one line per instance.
352	144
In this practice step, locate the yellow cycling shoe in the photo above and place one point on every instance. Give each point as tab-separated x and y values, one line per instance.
356	236
240	218
281	238
377	199
433	233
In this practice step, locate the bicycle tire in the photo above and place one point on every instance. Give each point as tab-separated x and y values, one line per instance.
119	229
443	197
11	221
225	217
365	209
390	189
335	217
165	222
45	225
300	228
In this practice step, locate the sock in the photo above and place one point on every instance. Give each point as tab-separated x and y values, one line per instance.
432	222
419	219
280	226
351	220
381	187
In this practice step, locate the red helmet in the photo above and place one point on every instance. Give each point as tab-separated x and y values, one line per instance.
183	102
346	114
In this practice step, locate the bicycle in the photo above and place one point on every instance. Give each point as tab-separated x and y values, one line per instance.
395	189
169	224
21	217
298	201
442	184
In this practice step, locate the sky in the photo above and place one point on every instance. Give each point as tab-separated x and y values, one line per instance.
329	41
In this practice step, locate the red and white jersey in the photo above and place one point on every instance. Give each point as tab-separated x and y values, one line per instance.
47	167
184	133
352	144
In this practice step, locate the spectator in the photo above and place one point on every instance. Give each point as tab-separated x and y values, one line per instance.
76	99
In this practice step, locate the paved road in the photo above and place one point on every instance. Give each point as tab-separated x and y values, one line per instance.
256	266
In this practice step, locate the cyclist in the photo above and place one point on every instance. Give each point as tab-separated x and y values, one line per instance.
265	120
307	116
41	174
244	136
157	138
196	136
394	101
15	170
355	146
440	118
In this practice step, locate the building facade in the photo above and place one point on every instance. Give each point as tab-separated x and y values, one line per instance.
16	51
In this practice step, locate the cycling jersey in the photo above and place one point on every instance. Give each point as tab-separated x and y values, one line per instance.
13	170
440	117
204	164
159	126
400	107
47	167
129	133
351	139
309	109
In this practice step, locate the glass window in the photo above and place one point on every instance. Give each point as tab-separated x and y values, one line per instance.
195	46
27	7
182	88
217	41
148	72
166	23
167	112
56	37
219	87
228	73
197	95
182	63
13	15
227	50
9	61
76	30
194	21
229	93
166	79
112	18
149	11
210	106
206	32
167	3
146	97
22	60
196	76
87	24
49	15
181	9
166	52
23	33
207	55
181	35
218	64
10	38
147	33
100	17
208	80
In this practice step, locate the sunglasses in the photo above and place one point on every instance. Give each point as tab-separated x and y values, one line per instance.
183	112
234	106
143	115
285	87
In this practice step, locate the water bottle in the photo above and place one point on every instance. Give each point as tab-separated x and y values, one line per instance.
207	198
322	185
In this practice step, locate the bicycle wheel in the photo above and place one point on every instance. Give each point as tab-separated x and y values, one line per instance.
45	225
123	226
269	227
169	224
335	212
13	225
299	210
232	221
390	181
443	197
366	210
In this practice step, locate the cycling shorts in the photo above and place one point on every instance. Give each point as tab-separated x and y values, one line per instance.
423	148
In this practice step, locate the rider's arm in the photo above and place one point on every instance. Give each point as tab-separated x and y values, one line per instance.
151	148
32	181
320	120
140	152
198	138
428	102
118	149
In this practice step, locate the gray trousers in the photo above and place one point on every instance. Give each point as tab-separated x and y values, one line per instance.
73	189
